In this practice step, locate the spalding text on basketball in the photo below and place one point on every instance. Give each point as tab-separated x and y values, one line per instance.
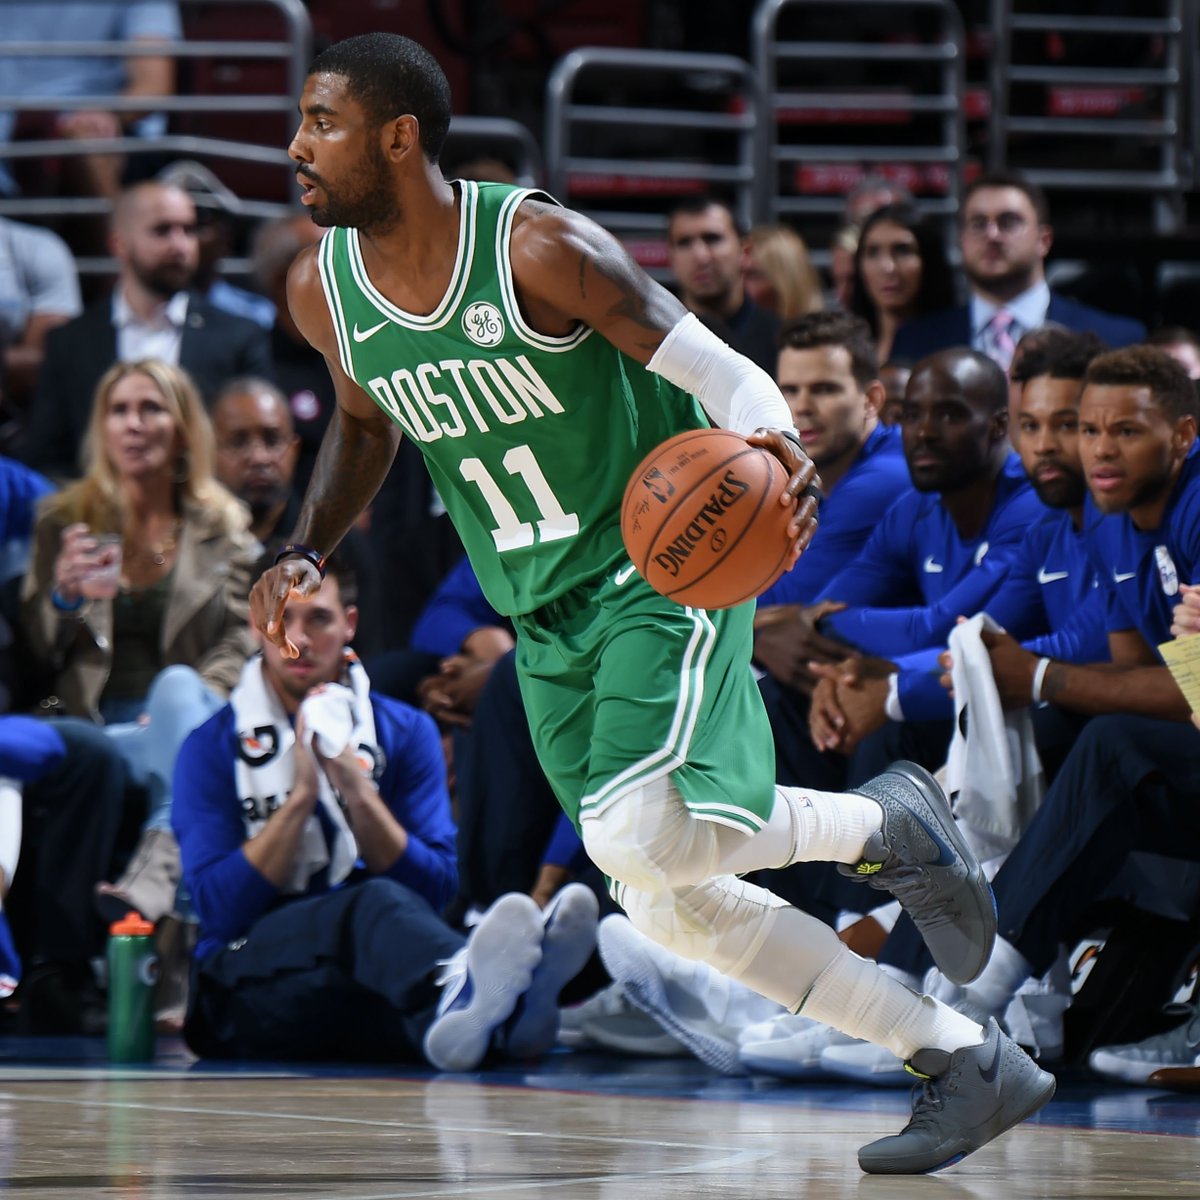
730	491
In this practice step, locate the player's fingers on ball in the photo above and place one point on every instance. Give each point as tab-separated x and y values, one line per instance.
804	475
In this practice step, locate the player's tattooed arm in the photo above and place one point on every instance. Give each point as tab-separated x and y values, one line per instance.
568	270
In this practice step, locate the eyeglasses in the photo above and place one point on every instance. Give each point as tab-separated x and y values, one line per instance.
1006	223
273	441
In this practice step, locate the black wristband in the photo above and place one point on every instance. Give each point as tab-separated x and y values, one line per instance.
812	489
296	550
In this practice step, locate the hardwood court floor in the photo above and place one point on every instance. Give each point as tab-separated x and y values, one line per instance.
579	1128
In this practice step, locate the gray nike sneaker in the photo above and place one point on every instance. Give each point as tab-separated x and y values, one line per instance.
968	1099
923	860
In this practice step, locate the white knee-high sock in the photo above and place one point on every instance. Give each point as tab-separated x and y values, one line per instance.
806	826
858	998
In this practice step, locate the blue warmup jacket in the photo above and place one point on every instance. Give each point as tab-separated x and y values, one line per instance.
456	609
1141	570
1050	600
20	490
229	895
849	514
916	575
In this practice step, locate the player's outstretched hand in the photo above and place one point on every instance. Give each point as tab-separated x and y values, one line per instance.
294	577
803	487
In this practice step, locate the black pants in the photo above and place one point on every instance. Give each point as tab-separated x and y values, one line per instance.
507	811
346	975
71	820
1130	786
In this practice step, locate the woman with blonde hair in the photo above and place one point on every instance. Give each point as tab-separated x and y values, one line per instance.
135	603
778	274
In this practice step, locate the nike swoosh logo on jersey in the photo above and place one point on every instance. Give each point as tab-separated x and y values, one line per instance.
624	575
933	568
361	335
1122	576
1045	576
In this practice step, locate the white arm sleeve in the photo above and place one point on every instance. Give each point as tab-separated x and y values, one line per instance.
734	392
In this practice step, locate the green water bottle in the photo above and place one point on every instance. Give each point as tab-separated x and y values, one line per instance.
132	974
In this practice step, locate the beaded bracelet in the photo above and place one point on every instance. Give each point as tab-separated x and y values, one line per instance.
296	550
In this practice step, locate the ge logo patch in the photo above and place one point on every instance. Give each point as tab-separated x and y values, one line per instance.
483	324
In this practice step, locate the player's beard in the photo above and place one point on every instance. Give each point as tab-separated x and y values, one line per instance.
1067	491
163	279
368	204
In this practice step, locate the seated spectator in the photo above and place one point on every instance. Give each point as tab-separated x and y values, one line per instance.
894	376
73	784
778	274
843	246
67	76
704	246
1004	236
1137	429
943	547
317	844
1050	597
1181	344
20	491
215	237
152	313
145	630
900	272
256	459
829	375
299	369
468	636
39	290
1126	791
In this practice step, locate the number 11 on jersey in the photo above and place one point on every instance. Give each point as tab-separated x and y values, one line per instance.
510	532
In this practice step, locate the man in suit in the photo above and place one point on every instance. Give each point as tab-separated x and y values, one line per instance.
150	314
1004	237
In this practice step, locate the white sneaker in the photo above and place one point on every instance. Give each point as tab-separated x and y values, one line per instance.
864	1062
788	1046
568	939
609	1021
483	982
689	999
1135	1062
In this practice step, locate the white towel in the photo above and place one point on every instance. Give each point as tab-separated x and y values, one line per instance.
993	773
335	716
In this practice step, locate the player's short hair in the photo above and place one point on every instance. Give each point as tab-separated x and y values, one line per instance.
1059	353
392	76
1148	367
338	565
1010	179
828	328
693	206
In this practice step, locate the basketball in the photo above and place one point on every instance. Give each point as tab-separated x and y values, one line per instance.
702	522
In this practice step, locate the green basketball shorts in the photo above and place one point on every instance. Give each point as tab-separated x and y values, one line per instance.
622	686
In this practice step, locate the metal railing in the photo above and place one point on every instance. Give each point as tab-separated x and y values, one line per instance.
497	137
628	132
855	86
293	50
1122	124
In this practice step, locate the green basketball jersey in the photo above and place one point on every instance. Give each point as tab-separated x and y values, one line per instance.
529	439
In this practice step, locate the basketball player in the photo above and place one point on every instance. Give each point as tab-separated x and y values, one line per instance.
535	366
